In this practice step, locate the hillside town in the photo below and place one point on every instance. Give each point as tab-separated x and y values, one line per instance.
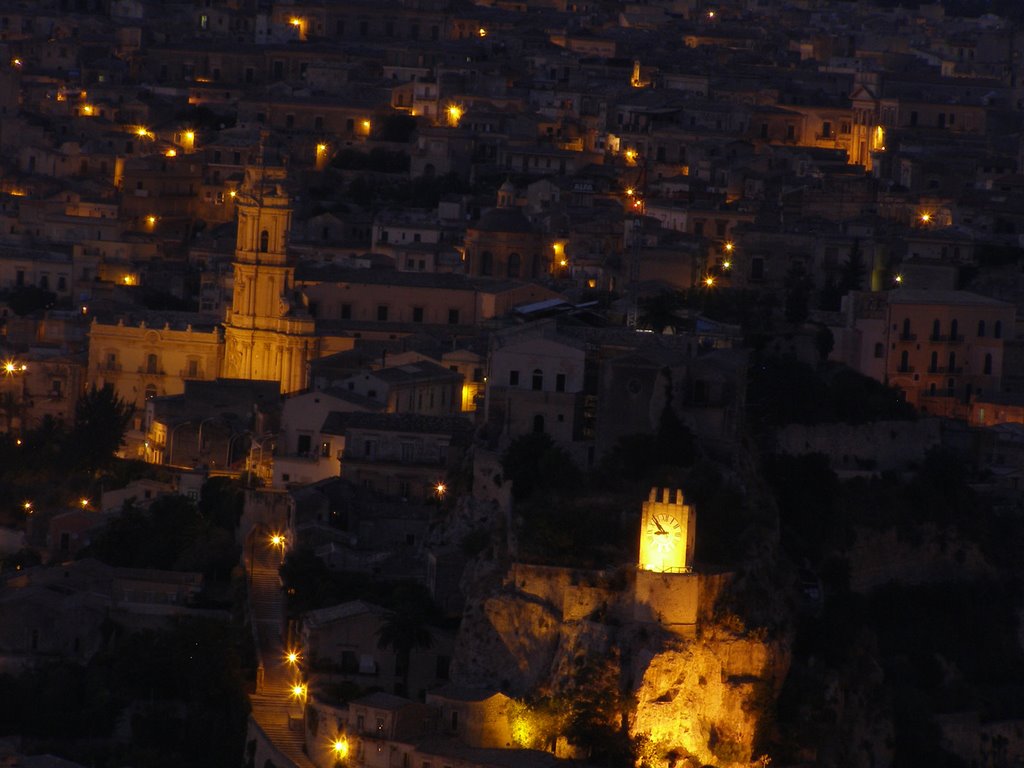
470	384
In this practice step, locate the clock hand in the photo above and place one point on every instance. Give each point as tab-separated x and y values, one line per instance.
660	529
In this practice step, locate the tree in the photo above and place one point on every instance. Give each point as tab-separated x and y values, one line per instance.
798	293
404	630
101	419
534	463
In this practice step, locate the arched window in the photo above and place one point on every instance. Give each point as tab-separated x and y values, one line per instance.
981	329
513	265
933	365
952	362
879	349
264	241
486	263
906	328
538	379
936	329
997	331
954	327
904	361
151	363
988	364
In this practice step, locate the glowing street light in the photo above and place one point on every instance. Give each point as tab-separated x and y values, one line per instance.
142	132
729	247
10	367
292	657
925	217
482	32
299	691
441	490
454	115
340	748
277	541
83	502
726	264
898	279
709	281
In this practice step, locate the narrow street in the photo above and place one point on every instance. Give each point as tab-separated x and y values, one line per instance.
274	707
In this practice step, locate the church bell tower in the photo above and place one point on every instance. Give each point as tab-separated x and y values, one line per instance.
268	334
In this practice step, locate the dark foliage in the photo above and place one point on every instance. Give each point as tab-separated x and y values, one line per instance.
101	418
26	299
784	390
536	465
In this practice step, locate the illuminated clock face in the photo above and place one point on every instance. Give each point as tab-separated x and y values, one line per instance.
664	532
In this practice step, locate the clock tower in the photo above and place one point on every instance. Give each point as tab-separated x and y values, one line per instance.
667	528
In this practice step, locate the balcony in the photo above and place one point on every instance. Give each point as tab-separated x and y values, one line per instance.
908	337
905	369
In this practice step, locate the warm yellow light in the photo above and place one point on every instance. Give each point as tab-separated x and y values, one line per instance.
277	540
321	148
24	367
711	14
729	247
454	115
630	191
899	279
28	504
726	264
16	62
232	193
292	657
482	32
295	22
171	153
127	279
151	220
563	263
340	748
631	155
83	502
591	283
925	217
298	691
441	488
141	132
10	367
86	109
190	135
366	125
18	441
709	281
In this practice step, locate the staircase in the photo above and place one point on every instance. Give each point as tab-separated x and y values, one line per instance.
274	709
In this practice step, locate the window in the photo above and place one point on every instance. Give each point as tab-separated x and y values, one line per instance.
478	374
264	241
346	311
826	129
44	282
954	326
151	363
514	264
933	364
537	383
904	361
997	330
369	448
906	328
417	314
981	329
936	328
559	382
513	378
987	370
382	313
325	448
453	317
455	720
406	454
486	263
193	368
303	445
19	277
879	349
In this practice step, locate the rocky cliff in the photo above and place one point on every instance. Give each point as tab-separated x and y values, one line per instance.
700	690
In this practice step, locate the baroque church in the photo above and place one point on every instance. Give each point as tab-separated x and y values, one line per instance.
267	334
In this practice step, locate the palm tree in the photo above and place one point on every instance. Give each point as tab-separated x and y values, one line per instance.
402	631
